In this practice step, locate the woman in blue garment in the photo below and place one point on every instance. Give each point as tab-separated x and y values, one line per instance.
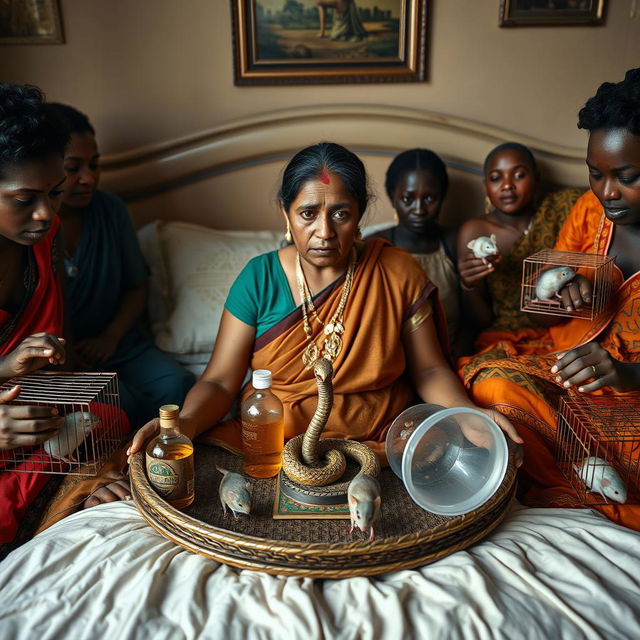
108	284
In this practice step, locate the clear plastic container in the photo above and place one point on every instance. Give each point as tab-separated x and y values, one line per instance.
451	460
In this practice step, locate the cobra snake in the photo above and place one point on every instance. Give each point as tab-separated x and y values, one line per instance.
310	461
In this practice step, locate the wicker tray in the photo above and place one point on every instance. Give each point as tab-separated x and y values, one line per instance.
406	536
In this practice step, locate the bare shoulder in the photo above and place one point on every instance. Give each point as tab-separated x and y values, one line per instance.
474	228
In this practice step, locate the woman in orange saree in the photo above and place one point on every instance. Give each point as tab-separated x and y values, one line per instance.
603	356
286	305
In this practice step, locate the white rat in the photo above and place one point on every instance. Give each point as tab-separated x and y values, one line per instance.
77	426
484	246
234	492
363	496
600	477
551	281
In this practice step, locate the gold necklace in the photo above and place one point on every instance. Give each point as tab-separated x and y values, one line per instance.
332	344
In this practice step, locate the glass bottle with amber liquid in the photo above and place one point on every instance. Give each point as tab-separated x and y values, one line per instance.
262	428
169	459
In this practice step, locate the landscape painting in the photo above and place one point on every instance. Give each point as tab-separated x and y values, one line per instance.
329	40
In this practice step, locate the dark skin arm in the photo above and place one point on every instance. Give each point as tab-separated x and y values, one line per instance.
100	348
473	273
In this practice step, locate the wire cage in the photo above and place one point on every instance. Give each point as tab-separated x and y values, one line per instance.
93	429
598	437
598	269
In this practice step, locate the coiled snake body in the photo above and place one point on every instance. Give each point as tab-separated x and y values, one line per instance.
313	462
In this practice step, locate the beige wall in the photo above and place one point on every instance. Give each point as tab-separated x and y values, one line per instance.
149	70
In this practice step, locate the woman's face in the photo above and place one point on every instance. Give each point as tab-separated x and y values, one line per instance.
417	199
613	158
30	196
510	182
82	169
324	220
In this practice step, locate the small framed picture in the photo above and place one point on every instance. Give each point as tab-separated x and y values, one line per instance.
329	41
517	13
31	22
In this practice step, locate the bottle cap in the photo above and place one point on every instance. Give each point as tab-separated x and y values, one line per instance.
169	416
261	379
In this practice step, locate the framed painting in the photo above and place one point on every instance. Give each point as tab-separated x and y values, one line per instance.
329	41
30	22
515	13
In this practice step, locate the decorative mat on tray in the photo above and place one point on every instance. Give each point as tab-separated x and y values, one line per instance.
406	535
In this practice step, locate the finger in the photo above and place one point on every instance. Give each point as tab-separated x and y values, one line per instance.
565	298
120	489
600	383
509	429
518	455
570	356
91	501
586	289
36	426
23	440
580	376
141	436
576	298
28	353
10	394
26	412
104	494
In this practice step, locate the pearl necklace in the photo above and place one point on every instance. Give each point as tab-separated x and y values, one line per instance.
332	344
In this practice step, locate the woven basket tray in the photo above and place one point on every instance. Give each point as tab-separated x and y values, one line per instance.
406	535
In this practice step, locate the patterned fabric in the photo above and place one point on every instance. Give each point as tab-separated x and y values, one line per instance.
511	377
504	284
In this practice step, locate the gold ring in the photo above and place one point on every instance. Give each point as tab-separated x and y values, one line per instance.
593	368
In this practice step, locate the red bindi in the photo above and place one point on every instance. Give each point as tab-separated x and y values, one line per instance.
324	176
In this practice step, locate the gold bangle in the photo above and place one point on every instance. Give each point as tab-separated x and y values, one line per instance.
464	287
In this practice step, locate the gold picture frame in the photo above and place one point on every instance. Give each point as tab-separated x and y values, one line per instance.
329	41
31	22
520	13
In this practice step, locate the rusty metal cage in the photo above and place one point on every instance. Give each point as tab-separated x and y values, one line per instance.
598	269
595	432
90	404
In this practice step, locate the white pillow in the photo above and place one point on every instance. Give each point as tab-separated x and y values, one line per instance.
201	265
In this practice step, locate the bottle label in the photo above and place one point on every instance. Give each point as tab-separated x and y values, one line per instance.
172	479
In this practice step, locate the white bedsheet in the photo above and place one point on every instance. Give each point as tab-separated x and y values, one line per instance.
105	573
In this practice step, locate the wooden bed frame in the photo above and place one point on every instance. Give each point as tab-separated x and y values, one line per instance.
227	177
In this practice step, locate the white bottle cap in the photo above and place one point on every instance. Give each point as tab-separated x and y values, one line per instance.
261	379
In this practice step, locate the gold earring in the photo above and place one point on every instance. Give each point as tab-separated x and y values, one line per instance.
287	236
396	220
359	234
488	207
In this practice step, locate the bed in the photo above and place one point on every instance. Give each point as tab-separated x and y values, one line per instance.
105	573
543	573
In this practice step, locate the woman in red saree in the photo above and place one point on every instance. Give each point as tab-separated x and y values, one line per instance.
376	296
32	143
602	357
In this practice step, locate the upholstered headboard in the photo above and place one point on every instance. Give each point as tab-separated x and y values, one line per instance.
227	177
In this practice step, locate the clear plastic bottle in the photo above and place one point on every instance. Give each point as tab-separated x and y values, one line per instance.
169	458
262	428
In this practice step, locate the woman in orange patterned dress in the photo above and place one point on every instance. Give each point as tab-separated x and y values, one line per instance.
601	357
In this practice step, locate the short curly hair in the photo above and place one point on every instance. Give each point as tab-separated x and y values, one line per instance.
616	105
28	130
